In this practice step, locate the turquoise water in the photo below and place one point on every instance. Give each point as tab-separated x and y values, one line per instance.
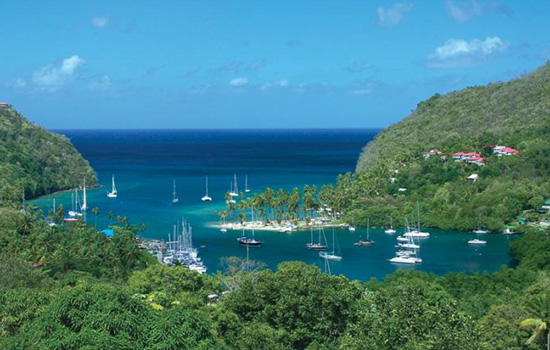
146	162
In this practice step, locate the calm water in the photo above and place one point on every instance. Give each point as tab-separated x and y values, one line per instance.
146	162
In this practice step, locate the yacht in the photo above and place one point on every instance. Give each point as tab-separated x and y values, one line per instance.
508	231
477	241
175	198
331	255
206	198
368	242
234	190
417	232
390	230
113	193
319	245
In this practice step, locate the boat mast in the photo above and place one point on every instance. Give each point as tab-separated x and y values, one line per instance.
236	188
207	186
418	212
84	205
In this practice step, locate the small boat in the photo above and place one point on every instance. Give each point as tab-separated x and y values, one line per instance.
408	245
367	242
351	228
249	241
508	231
234	190
175	198
481	231
418	232
390	230
223	229
332	255
317	245
206	198
402	239
477	241
405	260
113	193
246	189
329	256
74	212
84	206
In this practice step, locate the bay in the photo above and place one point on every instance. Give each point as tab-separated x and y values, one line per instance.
146	162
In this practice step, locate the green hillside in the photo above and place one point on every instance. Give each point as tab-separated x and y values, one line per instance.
514	114
36	160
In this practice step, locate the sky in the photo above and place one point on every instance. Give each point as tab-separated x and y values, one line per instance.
256	64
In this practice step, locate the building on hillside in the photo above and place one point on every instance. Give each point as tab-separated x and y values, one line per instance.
432	152
5	104
476	160
500	151
473	177
546	206
469	157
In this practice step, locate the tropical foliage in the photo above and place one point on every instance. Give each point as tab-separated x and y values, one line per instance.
35	162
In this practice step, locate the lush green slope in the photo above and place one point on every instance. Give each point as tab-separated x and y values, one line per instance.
36	160
515	114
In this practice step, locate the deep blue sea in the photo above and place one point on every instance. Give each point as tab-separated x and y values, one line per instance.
145	164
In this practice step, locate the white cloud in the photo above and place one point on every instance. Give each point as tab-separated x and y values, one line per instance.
360	91
283	83
18	83
393	15
238	82
457	52
102	83
100	22
51	78
466	10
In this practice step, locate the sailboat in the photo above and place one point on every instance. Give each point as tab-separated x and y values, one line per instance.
206	198
246	189
175	198
113	193
390	230
368	242
479	230
234	190
331	255
352	226
84	206
247	241
74	212
410	241
417	232
319	245
407	255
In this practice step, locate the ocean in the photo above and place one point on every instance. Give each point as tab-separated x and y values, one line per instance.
146	162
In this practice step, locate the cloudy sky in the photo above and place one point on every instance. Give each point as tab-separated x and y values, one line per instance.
256	64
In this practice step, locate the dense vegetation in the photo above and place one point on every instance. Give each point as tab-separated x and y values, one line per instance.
70	287
515	114
36	161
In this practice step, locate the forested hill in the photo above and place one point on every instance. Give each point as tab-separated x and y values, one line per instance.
394	171
511	113
36	160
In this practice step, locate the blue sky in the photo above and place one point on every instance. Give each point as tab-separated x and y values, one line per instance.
256	64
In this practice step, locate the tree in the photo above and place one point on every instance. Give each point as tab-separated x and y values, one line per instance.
95	211
539	308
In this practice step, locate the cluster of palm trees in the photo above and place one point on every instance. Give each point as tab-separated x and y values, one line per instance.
280	205
75	246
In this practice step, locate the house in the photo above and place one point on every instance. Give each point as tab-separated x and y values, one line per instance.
5	104
504	151
476	160
546	205
432	152
470	157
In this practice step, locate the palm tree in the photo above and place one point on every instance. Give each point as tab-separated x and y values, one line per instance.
95	211
540	308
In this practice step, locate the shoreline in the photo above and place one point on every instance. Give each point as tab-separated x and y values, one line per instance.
273	227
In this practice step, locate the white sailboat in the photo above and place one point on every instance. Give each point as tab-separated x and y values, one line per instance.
331	255
417	232
480	230
246	189
390	230
234	190
175	198
74	198
206	198
407	254
319	245
113	193
84	206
